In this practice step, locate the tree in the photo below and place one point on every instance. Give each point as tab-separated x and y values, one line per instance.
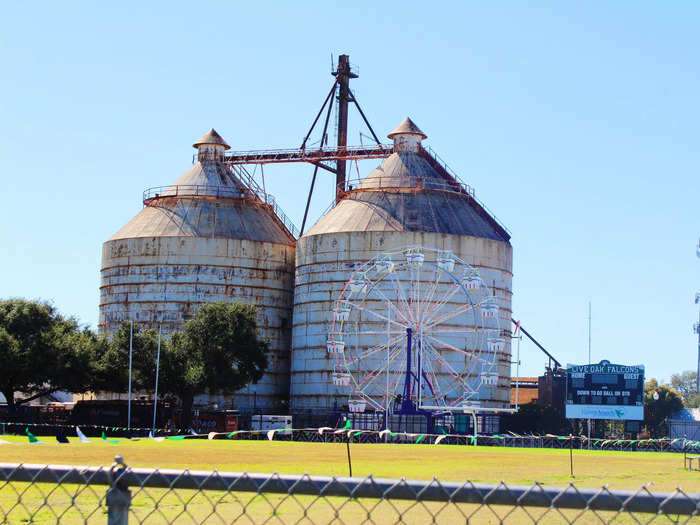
112	366
657	411
218	351
41	351
685	383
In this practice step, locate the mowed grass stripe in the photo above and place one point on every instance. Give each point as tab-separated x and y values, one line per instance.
618	470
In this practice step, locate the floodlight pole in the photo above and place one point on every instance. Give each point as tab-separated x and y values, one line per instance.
697	331
697	328
589	333
388	349
588	442
155	395
517	375
131	350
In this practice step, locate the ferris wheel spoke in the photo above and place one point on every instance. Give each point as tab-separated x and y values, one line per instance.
369	400
370	332
432	378
402	297
377	315
397	304
441	361
448	315
439	316
435	280
450	331
457	401
458	382
392	348
397	307
415	290
377	373
471	355
360	385
429	313
394	342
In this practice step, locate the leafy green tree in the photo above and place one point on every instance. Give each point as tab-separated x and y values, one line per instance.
112	365
685	383
660	402
41	351
218	351
693	401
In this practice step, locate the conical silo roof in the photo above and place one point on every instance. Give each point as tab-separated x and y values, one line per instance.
208	200
410	191
407	127
211	137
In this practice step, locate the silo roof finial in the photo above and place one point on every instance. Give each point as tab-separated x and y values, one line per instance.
407	127
211	137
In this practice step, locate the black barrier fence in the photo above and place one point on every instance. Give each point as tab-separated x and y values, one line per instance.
329	434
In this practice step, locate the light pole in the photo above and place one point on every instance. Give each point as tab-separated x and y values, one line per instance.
696	328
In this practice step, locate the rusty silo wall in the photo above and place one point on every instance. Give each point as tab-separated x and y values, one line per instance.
162	281
408	201
206	238
324	265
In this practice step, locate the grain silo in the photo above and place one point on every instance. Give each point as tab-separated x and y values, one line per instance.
410	208
210	236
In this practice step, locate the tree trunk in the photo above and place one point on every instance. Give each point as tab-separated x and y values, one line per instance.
46	392
187	401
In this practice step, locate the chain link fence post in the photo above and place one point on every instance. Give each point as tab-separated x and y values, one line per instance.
118	497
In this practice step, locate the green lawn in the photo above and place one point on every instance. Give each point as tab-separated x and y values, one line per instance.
618	470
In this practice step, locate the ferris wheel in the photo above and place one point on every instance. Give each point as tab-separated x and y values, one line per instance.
415	330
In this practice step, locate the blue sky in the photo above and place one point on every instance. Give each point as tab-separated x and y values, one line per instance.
577	123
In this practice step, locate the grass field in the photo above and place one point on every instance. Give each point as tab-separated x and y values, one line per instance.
618	470
46	503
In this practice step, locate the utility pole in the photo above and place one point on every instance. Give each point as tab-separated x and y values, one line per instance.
589	333
342	76
131	351
588	423
155	395
696	327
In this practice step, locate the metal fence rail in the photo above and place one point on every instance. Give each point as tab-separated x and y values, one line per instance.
71	494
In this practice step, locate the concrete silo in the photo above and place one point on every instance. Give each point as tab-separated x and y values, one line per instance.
208	237
409	200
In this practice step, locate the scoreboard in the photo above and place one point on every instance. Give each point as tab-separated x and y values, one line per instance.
605	391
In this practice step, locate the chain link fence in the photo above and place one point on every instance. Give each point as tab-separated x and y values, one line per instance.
120	495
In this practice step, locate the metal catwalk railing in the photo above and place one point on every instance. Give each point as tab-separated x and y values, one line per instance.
119	495
252	192
308	155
